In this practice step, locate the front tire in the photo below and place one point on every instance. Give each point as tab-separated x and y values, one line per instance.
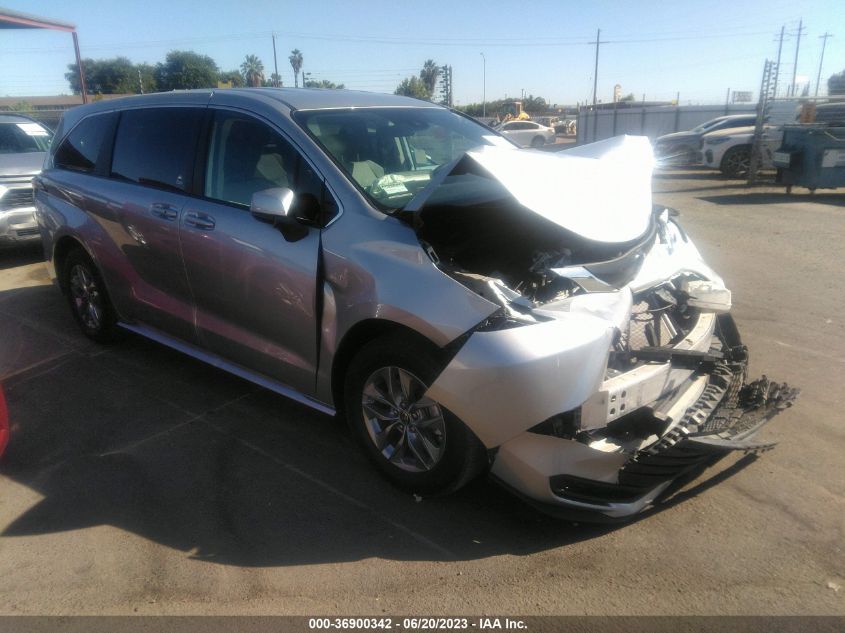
538	141
736	161
414	441
89	301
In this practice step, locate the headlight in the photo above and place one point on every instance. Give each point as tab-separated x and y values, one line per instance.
718	141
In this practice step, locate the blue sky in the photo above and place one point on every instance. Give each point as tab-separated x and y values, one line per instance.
656	48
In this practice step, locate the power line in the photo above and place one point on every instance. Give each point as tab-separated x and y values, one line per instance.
459	42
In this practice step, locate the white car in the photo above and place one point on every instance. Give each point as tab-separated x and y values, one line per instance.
528	133
729	150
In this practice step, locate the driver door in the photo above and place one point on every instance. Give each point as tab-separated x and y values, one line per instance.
254	288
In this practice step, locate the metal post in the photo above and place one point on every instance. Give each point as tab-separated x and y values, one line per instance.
765	86
821	61
275	64
677	111
483	86
82	88
140	82
727	101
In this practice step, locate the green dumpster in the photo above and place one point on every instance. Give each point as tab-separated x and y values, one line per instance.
811	156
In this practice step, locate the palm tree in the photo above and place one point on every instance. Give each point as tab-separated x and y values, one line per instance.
429	74
253	71
295	63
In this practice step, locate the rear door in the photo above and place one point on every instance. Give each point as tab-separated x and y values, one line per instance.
255	285
151	171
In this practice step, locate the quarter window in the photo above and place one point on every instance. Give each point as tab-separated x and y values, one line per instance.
155	146
81	149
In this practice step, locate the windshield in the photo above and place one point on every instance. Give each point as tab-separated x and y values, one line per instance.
707	125
390	153
28	136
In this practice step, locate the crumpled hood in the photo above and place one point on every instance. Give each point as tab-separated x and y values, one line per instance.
600	191
26	164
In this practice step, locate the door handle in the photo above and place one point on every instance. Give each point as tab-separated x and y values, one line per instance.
200	221
164	210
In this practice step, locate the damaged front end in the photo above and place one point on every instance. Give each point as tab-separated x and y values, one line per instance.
612	367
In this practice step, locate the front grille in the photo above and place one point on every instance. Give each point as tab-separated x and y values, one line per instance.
17	198
27	232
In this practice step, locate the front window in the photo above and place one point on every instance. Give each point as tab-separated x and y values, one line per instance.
390	153
26	136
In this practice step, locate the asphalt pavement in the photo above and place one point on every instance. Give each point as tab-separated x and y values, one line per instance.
140	481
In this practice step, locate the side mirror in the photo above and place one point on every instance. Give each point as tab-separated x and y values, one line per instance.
273	205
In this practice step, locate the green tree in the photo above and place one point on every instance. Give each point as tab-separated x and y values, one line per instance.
323	83
105	76
183	70
534	104
233	77
413	87
147	74
628	97
429	74
836	84
295	60
252	70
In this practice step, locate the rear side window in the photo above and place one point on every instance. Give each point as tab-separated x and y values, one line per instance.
155	147
82	147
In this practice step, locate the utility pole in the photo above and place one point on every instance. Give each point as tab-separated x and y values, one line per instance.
598	42
777	64
483	86
821	61
595	114
275	64
140	82
797	46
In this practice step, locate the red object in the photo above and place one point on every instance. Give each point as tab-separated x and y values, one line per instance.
4	423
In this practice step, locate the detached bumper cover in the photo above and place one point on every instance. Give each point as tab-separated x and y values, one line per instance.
715	412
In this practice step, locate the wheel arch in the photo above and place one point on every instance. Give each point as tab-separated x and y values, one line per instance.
62	249
356	338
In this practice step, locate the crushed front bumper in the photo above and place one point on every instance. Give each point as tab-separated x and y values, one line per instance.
715	411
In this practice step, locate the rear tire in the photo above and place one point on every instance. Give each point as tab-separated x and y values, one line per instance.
88	299
736	161
415	442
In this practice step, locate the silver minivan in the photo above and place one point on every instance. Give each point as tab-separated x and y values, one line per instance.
466	305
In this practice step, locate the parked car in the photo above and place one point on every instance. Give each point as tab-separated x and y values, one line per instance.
682	148
528	133
467	306
729	151
23	143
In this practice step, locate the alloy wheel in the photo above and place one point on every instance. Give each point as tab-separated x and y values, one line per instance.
406	427
87	300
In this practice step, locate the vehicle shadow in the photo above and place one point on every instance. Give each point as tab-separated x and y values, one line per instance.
145	439
13	256
688	173
837	199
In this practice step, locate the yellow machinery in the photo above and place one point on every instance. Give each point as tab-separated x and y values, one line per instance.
512	111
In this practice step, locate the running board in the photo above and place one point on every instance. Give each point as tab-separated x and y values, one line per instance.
216	361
